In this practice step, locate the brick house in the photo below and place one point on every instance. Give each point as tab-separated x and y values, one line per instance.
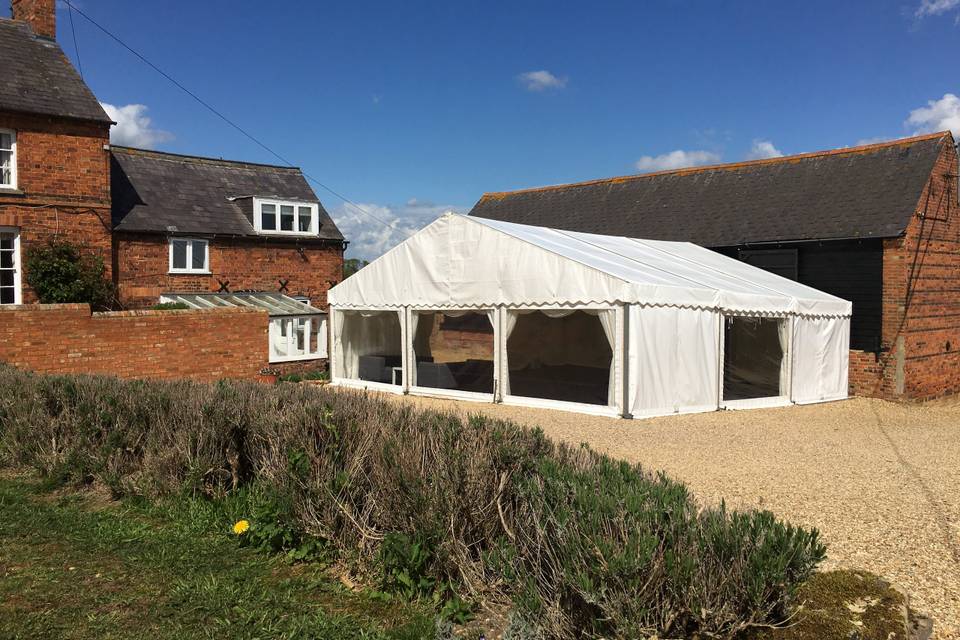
198	225
162	223
878	225
54	151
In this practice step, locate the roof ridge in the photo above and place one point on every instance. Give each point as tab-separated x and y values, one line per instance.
182	157
725	166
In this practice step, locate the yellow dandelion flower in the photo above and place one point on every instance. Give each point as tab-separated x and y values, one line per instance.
241	527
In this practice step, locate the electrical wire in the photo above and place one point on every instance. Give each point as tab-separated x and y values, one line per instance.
76	46
227	120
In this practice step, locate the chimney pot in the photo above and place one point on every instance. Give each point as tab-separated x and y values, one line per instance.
41	15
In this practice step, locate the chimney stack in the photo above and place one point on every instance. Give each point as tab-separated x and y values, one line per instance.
41	15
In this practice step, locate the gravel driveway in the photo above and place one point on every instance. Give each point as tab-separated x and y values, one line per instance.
880	480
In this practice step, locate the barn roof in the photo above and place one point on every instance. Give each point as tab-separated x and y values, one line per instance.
859	192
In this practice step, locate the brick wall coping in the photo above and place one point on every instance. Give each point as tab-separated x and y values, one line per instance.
75	306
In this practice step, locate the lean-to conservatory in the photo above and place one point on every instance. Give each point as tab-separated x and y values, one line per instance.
297	330
485	310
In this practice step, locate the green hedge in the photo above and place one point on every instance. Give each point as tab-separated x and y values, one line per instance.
583	545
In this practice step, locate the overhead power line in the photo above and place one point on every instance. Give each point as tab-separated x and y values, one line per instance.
76	45
220	115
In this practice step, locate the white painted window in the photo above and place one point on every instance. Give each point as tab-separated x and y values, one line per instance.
298	338
188	255
285	217
8	159
10	266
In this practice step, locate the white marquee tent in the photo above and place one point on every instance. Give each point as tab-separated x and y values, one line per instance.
681	328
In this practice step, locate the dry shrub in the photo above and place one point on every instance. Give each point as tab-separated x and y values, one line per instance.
584	546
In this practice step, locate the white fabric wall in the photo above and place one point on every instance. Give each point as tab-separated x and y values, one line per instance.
673	358
557	344
821	359
358	334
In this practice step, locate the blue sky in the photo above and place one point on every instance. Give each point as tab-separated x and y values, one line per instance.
414	108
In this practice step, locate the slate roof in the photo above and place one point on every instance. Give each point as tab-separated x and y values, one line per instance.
859	192
37	78
158	192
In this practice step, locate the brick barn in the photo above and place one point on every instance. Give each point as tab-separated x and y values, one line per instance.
878	225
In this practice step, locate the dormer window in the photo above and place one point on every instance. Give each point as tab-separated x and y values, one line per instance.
285	217
8	159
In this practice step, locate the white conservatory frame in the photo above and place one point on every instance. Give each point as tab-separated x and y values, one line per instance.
282	309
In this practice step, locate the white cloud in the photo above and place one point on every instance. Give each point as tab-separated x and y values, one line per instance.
134	128
763	149
936	7
874	140
369	238
676	160
541	80
938	115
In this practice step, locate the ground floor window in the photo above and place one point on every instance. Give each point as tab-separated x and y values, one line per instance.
754	357
560	355
369	346
9	266
298	338
453	350
189	256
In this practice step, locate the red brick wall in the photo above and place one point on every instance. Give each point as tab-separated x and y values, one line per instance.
202	345
921	300
927	280
867	374
457	345
142	264
40	14
63	179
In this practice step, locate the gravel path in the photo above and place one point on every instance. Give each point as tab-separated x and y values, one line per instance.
880	480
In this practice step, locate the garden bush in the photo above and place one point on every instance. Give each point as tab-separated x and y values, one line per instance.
582	545
60	271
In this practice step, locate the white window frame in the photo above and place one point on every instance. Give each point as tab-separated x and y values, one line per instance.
13	161
17	283
315	324
296	204
190	244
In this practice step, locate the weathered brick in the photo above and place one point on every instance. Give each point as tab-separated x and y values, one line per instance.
211	344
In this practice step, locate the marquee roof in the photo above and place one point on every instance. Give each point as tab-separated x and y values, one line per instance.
470	262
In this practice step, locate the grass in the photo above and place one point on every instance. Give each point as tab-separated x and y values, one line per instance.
73	565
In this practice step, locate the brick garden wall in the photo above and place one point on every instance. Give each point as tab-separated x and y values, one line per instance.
63	185
200	345
142	264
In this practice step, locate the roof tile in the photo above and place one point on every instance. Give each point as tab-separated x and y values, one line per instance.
158	192
869	192
38	78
